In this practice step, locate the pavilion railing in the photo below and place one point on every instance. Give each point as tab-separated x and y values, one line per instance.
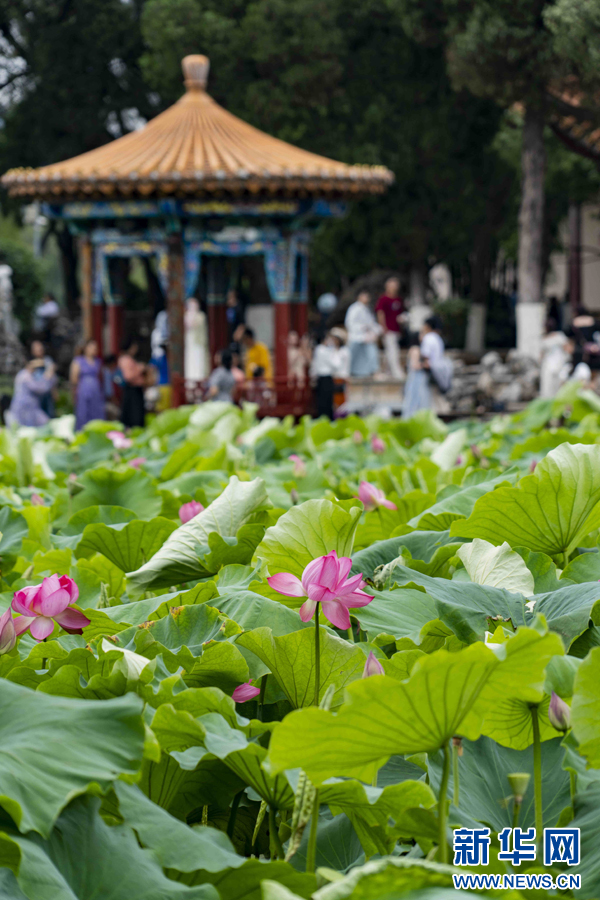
281	396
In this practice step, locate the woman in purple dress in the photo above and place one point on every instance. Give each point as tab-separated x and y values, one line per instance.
85	379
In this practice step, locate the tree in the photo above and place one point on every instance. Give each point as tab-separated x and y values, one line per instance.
342	78
516	53
72	82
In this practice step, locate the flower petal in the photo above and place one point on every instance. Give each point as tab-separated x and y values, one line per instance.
356	599
307	610
67	584
287	584
22	601
352	584
329	576
49	586
54	604
245	692
22	623
41	628
312	572
337	614
388	504
72	620
344	566
318	593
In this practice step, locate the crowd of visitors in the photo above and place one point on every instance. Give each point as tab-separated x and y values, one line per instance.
123	386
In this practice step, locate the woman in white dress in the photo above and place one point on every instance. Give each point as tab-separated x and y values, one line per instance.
196	342
363	334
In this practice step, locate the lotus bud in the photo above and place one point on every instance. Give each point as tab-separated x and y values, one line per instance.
36	500
532	466
518	784
8	635
245	692
459	460
377	445
299	466
294	496
137	461
189	511
357	437
475	451
559	713
372	666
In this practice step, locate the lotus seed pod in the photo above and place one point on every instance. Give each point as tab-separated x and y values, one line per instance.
518	784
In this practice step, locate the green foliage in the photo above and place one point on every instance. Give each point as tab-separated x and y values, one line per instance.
127	739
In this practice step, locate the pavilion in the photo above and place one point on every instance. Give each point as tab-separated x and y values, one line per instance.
193	185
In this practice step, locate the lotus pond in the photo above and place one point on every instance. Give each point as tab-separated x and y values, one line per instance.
268	660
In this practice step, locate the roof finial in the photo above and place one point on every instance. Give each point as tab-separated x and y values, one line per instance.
195	71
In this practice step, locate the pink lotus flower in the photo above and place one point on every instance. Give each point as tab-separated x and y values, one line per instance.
245	692
8	635
36	500
357	437
459	460
377	445
137	461
299	466
119	440
372	666
324	581
189	511
40	605
372	498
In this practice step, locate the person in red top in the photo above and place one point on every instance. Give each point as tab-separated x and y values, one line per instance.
389	309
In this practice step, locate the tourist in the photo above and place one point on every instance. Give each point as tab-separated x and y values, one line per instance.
330	364
363	334
46	315
30	387
435	361
390	309
555	354
256	356
133	376
298	358
234	312
196	357
221	382
38	352
417	388
85	378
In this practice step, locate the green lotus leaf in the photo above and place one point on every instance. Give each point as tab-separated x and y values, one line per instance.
127	546
126	487
549	511
305	532
116	866
291	659
585	708
384	717
496	566
69	744
178	559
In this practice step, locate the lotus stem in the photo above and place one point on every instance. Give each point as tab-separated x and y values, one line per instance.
233	814
516	811
261	696
311	852
456	751
573	788
442	808
317	657
274	841
351	633
537	775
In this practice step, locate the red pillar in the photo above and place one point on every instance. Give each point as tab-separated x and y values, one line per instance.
218	337
283	326
175	307
115	328
302	317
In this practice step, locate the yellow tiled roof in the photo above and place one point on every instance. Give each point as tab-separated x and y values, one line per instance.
196	148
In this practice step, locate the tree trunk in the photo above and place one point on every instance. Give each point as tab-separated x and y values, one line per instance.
531	230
